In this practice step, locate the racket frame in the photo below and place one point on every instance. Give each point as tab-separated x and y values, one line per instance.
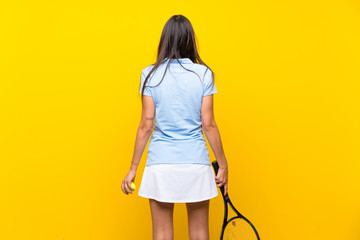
226	201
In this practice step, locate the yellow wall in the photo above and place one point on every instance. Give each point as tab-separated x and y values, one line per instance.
287	74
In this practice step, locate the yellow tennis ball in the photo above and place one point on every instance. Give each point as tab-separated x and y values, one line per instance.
133	186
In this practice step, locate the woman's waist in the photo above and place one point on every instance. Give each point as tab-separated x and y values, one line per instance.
175	136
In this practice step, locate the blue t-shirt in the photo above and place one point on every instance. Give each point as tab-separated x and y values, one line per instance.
177	136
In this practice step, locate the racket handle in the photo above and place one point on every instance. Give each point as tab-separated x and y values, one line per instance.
216	168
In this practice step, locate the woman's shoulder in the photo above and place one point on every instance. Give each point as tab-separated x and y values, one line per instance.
201	67
148	68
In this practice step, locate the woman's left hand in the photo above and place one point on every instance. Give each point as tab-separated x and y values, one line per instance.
126	183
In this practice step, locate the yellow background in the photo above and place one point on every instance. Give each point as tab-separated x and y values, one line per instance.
287	74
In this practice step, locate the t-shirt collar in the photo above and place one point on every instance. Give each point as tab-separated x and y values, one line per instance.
181	60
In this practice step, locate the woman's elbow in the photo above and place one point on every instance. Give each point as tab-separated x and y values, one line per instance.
146	127
209	125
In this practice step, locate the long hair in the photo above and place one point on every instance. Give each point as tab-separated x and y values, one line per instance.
178	40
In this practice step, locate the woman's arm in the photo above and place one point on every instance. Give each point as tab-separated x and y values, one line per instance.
213	135
144	130
211	130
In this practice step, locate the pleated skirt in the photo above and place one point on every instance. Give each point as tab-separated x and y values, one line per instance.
178	183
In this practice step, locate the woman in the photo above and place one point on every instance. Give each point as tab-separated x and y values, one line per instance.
178	95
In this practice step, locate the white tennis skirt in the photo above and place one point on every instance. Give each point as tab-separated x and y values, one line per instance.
178	183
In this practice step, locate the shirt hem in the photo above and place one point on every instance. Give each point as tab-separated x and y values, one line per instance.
173	163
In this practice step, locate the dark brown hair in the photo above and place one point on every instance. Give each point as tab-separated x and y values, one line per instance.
178	40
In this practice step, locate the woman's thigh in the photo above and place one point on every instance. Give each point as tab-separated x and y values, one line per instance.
162	219
198	218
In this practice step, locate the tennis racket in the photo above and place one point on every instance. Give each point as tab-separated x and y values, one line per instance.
238	227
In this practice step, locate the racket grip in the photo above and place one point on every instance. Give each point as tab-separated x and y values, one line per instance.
216	169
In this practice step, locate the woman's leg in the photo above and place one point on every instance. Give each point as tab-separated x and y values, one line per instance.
162	219
198	218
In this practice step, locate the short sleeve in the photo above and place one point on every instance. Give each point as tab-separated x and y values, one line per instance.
209	88
147	91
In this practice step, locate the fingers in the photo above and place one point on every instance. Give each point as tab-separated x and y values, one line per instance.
126	187
220	183
126	183
123	187
129	188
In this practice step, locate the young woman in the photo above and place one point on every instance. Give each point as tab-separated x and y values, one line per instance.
178	95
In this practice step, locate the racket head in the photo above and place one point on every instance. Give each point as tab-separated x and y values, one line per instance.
239	228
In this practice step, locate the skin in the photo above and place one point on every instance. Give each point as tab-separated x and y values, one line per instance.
162	213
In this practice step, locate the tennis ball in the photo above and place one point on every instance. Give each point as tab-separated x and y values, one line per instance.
133	186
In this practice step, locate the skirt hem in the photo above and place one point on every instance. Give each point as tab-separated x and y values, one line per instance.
178	201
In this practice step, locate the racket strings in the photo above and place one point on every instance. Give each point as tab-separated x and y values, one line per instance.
239	229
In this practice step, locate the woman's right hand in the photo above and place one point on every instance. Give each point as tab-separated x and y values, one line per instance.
221	179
